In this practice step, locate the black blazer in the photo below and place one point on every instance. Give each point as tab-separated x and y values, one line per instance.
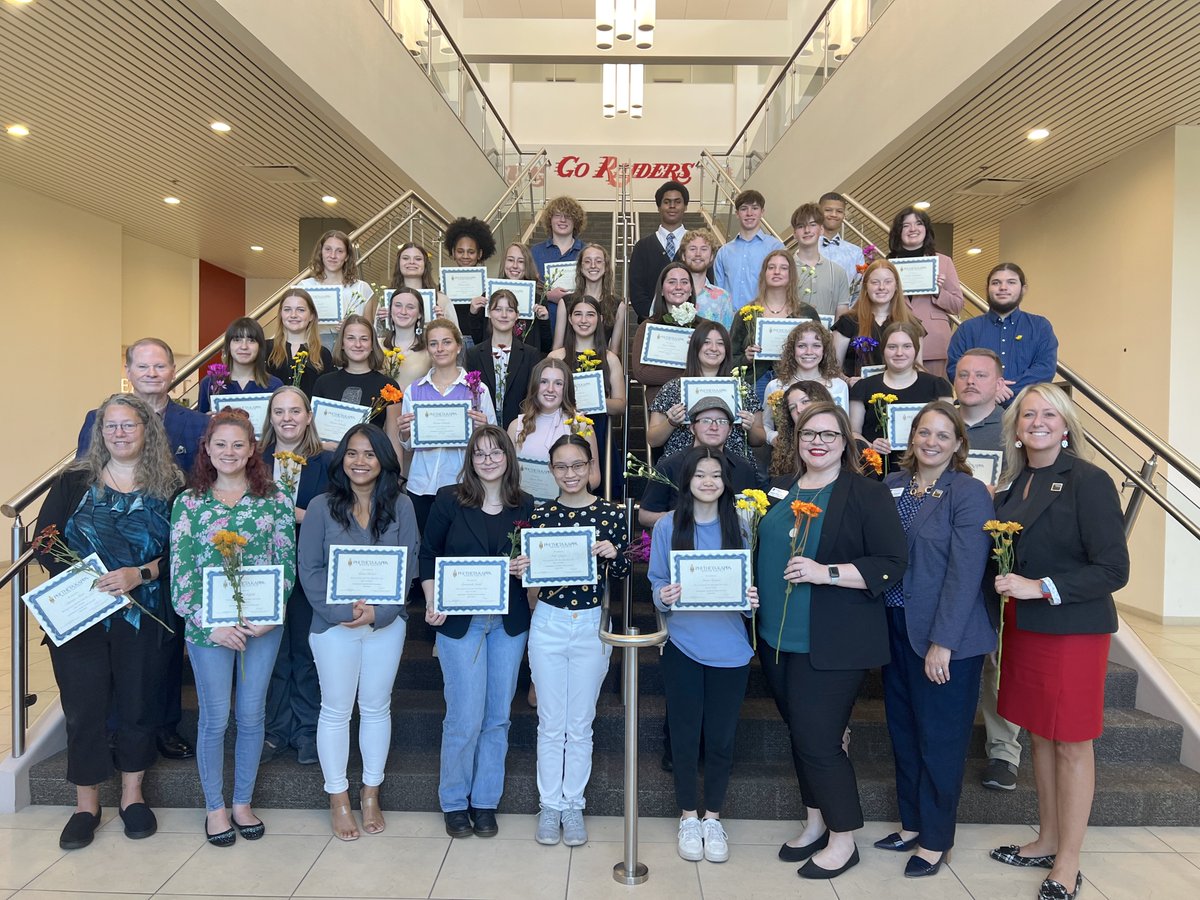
456	530
314	477
1074	534
521	360
847	627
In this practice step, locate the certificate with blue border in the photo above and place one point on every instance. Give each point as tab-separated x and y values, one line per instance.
711	579
589	392
918	274
827	321
256	405
559	556
440	423
328	301
333	418
986	465
559	275
868	371
428	299
524	291
536	478
66	605
900	418
693	389
665	345
466	585
463	284
262	597
770	334
375	575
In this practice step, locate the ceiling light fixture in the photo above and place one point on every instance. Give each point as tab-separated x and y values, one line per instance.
625	20
171	201
256	248
329	199
18	130
1038	134
221	127
974	251
922	205
623	91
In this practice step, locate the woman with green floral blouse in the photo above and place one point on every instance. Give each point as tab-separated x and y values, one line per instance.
229	489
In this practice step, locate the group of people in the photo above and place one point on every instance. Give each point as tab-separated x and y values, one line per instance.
864	556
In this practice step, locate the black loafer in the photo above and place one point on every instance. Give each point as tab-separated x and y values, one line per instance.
139	821
226	838
458	824
811	870
1010	855
894	842
800	854
485	822
1052	890
922	868
172	746
79	831
249	832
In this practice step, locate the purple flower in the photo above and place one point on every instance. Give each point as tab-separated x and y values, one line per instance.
474	381
218	375
864	344
638	550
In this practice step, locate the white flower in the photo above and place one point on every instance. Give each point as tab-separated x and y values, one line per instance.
684	313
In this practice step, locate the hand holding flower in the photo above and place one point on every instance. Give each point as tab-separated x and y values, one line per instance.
1018	587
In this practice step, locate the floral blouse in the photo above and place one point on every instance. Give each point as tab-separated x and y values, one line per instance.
609	519
682	437
267	522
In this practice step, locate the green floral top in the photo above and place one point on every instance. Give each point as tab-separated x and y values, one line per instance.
269	525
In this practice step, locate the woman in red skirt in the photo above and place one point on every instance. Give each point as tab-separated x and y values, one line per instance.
1069	558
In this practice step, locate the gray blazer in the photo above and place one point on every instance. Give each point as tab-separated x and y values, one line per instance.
947	554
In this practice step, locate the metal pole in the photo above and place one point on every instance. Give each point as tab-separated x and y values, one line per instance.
1139	496
20	672
629	870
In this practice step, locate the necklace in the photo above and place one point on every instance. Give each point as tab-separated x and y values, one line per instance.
228	496
914	487
127	476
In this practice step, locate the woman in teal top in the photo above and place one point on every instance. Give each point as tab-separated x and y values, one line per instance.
835	537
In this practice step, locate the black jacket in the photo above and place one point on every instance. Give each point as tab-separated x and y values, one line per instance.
521	360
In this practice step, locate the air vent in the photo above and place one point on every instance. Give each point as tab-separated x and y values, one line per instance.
279	174
993	187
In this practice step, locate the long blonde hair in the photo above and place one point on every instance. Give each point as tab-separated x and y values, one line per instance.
312	335
310	443
1014	456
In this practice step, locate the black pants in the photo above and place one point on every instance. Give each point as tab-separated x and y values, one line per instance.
170	684
121	665
422	506
816	705
702	696
294	695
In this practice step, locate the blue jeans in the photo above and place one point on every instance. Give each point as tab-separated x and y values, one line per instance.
214	668
479	671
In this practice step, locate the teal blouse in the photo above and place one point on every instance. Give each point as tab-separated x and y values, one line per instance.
783	619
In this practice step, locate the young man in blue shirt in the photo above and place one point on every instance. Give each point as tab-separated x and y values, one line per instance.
738	262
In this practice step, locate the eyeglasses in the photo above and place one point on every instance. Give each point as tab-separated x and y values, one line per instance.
576	468
710	420
488	455
123	427
819	437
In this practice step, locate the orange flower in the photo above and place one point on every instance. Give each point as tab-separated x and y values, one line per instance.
873	461
391	394
800	508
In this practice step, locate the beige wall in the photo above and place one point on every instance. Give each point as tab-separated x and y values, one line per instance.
160	293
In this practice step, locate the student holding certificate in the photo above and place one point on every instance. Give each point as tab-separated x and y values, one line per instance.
356	645
480	655
594	278
114	501
549	403
807	356
504	360
566	656
788	407
405	331
518	265
414	269
335	263
296	330
469	243
911	235
674	305
294	696
358	378
245	358
706	660
562	220
858	335
230	490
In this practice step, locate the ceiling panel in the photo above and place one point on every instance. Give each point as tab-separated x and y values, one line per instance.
743	10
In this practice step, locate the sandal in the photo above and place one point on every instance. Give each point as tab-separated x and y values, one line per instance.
372	815
342	820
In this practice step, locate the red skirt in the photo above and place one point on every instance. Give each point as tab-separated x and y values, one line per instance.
1053	684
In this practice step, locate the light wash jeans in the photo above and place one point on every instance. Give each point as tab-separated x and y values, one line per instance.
568	663
360	661
215	668
479	671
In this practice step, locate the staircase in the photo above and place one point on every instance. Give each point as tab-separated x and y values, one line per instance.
1139	778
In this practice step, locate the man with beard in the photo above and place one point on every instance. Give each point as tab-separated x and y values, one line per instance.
697	250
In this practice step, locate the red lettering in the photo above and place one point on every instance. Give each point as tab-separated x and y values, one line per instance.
562	166
685	173
607	169
661	170
640	170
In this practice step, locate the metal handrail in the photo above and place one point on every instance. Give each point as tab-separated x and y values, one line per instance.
719	184
517	185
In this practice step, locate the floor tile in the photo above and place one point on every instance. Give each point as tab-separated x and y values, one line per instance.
75	895
1176	652
376	866
987	879
26	854
115	863
1193	858
1183	839
755	871
1155	875
47	818
592	866
1123	840
272	866
651	830
880	874
501	869
986	837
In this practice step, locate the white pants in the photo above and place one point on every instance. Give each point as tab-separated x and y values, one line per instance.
568	663
349	661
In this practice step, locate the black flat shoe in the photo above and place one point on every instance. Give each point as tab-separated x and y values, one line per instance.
458	824
811	870
1010	855
800	854
922	868
484	821
1052	890
79	831
139	821
173	746
894	842
249	832
225	838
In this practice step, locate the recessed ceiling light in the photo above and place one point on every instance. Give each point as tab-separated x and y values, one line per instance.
221	127
171	201
922	205
256	248
1038	134
17	130
974	251
329	199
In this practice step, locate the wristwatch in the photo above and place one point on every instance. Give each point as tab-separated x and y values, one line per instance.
834	574
146	576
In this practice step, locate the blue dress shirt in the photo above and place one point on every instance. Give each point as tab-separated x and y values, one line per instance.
1024	342
738	264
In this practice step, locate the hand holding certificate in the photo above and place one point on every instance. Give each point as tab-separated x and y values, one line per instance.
666	345
375	575
711	580
258	599
465	585
559	556
464	283
68	604
918	274
441	423
589	392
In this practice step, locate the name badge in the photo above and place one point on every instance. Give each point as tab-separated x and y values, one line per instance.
778	493
1056	487
897	492
938	493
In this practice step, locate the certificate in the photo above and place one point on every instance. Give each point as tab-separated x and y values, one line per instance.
328	301
868	371
770	334
985	465
66	604
918	274
589	393
441	423
900	418
464	283
560	275
377	575
536	479
257	407
262	597
711	579
428	299
666	345
559	556
827	321
524	291
464	585
333	418
727	389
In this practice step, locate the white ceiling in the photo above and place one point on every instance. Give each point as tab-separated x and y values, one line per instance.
664	9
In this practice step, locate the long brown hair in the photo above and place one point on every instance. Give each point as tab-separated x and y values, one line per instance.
599	338
389	337
246	327
529	406
312	336
791	289
705	327
609	301
469	490
349	267
204	473
426	274
898	310
783	450
787	366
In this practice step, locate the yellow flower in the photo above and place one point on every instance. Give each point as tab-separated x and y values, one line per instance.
775	397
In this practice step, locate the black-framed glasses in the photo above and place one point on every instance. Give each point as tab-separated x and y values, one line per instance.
818	437
494	455
123	427
713	420
575	468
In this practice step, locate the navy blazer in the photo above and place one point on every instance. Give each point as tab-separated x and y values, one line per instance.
184	426
847	627
456	530
1074	534
947	554
314	476
521	360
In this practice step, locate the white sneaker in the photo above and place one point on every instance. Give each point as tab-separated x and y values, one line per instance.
691	839
547	827
574	831
716	847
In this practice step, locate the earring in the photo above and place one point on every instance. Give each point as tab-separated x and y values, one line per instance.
1065	442
1018	444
